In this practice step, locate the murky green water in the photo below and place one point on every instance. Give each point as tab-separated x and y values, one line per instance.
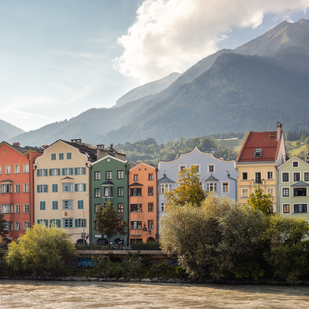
37	294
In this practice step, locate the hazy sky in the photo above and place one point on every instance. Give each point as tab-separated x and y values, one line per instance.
61	57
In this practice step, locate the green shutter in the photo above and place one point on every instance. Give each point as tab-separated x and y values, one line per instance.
58	171
71	171
46	171
58	223
63	223
38	188
76	222
50	171
76	187
38	173
63	171
84	185
85	223
75	170
84	171
38	221
46	188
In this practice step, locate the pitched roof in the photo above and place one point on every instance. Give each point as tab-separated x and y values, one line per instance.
165	179
90	152
267	141
300	184
136	184
107	183
211	178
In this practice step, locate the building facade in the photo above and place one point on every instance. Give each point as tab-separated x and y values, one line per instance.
61	182
16	189
257	162
293	188
143	203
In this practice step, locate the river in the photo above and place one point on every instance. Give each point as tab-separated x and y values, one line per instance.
72	294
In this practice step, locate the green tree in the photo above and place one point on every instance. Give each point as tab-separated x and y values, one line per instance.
3	227
260	201
109	222
41	252
189	188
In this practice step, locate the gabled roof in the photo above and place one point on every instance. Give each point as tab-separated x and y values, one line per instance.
90	152
300	184
267	141
211	178
23	150
107	183
136	184
165	179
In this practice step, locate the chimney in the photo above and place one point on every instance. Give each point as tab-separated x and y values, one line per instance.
17	144
101	152
279	128
77	141
44	146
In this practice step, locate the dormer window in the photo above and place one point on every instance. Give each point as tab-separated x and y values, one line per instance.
258	153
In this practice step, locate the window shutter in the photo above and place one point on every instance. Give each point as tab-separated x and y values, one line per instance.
76	187
76	223
63	205
46	223
46	188
63	222
50	222
84	185
75	170
38	188
38	173
71	171
84	222
84	171
58	222
63	171
38	221
46	171
50	172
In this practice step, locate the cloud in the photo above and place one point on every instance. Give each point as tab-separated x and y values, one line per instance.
172	35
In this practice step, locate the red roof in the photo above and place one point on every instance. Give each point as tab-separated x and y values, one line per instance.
267	141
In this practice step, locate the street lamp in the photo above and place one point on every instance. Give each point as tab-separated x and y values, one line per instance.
83	234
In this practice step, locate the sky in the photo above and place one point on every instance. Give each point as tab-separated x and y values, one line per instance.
60	58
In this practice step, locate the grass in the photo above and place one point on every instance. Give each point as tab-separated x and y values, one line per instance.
294	150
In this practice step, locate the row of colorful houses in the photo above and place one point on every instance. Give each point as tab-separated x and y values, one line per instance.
64	183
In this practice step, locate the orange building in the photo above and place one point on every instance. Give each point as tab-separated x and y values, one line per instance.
143	203
16	187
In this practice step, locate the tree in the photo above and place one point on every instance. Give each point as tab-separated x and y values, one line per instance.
189	188
3	227
41	252
109	222
260	201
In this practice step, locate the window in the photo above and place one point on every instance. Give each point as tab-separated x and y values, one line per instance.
54	205
120	174
300	208
299	192
55	187
96	208
211	168
120	191
67	204
197	167
225	187
306	176
150	176
285	177
270	175
67	171
136	208
43	222
6	209
258	153
17	226
6	188
150	224
26	225
8	169
80	187
295	163
26	208
42	188
54	223
136	225
244	192
258	177
270	191
120	207
16	168
136	192
150	207
108	175
150	191
60	156
135	177
17	188
80	204
53	156
26	168
67	223
80	222
97	192
80	170
297	176
67	187
42	205
69	155
244	176
285	192
162	207
211	186
165	188
17	209
106	192
182	167
42	172
54	172
286	208
9	226
97	175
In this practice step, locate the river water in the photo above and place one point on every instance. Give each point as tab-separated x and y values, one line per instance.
72	294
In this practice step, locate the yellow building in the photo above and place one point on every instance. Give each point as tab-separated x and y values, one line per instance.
257	162
61	187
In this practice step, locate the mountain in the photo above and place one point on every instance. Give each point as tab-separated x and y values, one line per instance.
7	131
249	88
147	89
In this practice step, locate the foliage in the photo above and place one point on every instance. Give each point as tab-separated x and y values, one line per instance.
3	228
260	201
189	188
151	245
41	252
109	221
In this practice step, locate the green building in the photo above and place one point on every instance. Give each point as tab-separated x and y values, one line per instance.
109	182
293	188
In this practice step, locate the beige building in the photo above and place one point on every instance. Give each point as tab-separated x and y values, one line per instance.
61	187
